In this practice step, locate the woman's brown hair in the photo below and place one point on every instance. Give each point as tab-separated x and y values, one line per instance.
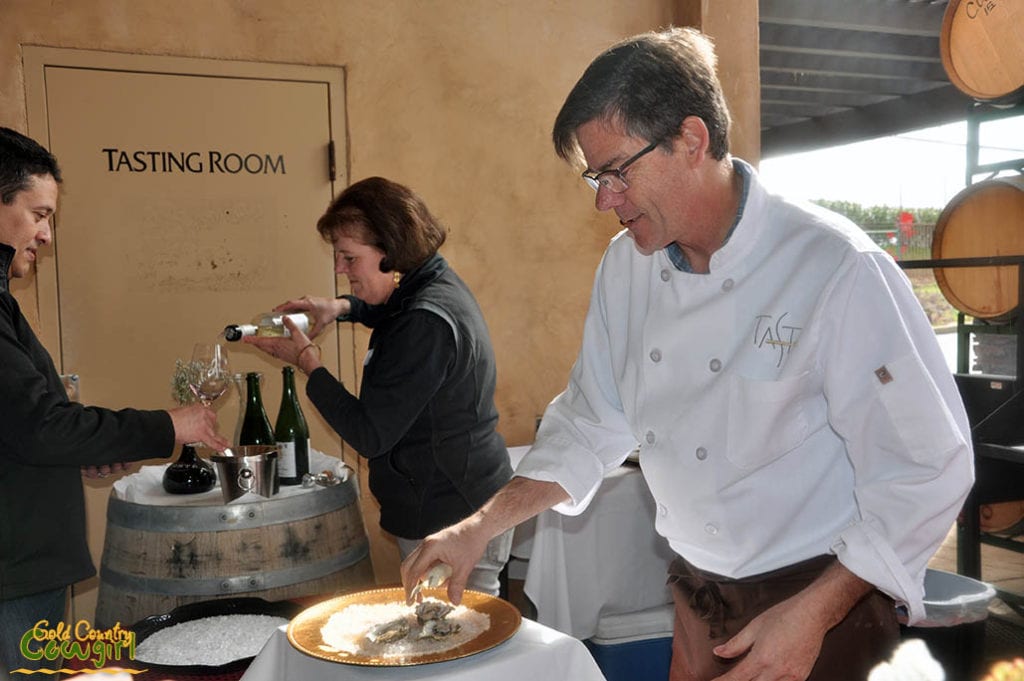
388	216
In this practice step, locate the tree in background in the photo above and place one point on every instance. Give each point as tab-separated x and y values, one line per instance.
906	233
890	228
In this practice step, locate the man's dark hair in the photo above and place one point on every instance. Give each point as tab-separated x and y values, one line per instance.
648	84
21	158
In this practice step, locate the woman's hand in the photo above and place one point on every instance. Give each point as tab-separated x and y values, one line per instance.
322	311
296	349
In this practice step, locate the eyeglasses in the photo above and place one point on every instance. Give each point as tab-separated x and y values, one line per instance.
614	180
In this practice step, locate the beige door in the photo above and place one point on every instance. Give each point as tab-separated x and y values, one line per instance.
190	197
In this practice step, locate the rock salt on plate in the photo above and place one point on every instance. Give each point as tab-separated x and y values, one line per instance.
345	631
209	641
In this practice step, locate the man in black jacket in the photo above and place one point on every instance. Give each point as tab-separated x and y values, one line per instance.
47	442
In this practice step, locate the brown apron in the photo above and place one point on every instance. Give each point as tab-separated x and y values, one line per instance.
711	609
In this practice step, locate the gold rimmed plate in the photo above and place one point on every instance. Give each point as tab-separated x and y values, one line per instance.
304	631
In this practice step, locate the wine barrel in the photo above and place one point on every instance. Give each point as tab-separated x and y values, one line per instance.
985	219
982	49
156	558
1005	518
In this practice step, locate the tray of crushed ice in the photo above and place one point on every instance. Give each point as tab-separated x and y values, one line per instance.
209	637
378	628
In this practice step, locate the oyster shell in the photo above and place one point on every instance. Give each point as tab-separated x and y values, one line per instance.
439	629
387	632
432	609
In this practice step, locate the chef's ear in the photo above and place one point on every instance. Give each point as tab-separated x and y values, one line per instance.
694	136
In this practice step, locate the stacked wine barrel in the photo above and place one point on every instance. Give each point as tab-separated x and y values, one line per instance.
982	49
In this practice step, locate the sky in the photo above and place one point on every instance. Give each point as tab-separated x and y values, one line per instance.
919	169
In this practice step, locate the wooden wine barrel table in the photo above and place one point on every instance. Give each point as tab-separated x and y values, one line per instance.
157	557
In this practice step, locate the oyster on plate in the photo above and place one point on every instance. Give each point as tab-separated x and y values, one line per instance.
432	609
387	632
439	629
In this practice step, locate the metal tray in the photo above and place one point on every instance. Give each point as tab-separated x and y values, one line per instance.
304	630
195	611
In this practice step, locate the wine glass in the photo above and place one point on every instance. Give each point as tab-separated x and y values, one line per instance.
209	376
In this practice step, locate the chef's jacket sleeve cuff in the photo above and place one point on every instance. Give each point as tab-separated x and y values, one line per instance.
863	552
578	472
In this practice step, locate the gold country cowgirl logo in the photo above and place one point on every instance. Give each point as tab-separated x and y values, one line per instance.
80	643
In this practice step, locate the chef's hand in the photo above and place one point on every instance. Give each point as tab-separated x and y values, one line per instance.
459	546
322	311
296	349
197	423
783	642
102	471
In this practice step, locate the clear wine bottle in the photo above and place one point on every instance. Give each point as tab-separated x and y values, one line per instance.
269	324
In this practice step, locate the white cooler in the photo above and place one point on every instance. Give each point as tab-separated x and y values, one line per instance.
635	646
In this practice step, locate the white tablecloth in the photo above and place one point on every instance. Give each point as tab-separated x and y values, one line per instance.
608	560
534	653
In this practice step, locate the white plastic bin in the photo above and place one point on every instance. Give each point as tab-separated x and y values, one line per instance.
951	599
954	625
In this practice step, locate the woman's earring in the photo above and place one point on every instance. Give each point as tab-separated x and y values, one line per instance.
397	277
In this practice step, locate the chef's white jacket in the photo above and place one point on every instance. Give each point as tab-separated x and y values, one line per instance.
791	403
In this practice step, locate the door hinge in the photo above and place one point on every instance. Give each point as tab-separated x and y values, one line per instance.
332	166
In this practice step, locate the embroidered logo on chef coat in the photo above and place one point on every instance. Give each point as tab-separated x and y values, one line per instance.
776	335
883	375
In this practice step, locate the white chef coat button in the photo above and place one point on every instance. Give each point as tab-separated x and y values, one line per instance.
650	437
710	529
702	453
727	285
662	510
655	355
715	365
665	275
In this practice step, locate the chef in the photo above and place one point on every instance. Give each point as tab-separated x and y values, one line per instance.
798	428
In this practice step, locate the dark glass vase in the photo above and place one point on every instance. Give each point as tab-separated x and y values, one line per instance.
189	474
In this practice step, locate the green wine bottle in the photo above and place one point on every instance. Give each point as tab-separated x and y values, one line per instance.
255	424
291	433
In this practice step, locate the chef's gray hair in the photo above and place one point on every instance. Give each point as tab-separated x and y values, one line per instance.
648	84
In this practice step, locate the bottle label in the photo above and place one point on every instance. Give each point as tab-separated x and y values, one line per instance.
273	326
286	460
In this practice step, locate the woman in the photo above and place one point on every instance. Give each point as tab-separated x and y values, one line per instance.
425	415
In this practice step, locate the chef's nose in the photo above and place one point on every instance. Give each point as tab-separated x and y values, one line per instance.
607	199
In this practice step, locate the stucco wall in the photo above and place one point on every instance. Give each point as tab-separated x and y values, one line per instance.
456	99
452	97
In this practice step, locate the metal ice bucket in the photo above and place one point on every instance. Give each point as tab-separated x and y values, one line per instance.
247	468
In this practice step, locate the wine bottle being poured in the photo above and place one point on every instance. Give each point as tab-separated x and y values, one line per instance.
270	324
